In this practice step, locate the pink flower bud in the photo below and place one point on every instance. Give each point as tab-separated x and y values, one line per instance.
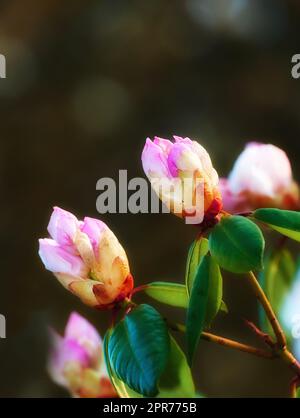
186	169
261	177
87	259
76	360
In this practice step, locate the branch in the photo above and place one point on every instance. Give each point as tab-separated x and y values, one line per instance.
288	357
226	342
260	334
280	347
260	295
236	345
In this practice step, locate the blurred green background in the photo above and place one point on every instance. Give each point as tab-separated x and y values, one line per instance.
87	81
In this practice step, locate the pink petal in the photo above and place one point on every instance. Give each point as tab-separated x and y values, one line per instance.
54	364
62	352
94	229
154	160
182	157
58	260
86	335
180	139
164	144
261	169
62	226
202	162
232	203
206	162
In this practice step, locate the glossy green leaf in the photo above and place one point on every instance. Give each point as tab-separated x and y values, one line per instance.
198	249
197	309
138	349
177	380
237	244
205	301
215	291
121	388
276	280
286	222
173	294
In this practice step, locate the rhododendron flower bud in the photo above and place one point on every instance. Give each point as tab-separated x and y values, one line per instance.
76	360
261	177
87	259
182	175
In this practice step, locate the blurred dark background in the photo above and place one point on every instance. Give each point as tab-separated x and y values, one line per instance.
86	82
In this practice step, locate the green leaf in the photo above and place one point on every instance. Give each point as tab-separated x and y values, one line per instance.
276	280
287	222
121	388
173	294
198	249
138	349
237	244
224	307
196	313
215	291
177	380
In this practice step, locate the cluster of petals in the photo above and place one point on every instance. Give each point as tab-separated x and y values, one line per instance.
261	177
76	360
87	259
184	163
